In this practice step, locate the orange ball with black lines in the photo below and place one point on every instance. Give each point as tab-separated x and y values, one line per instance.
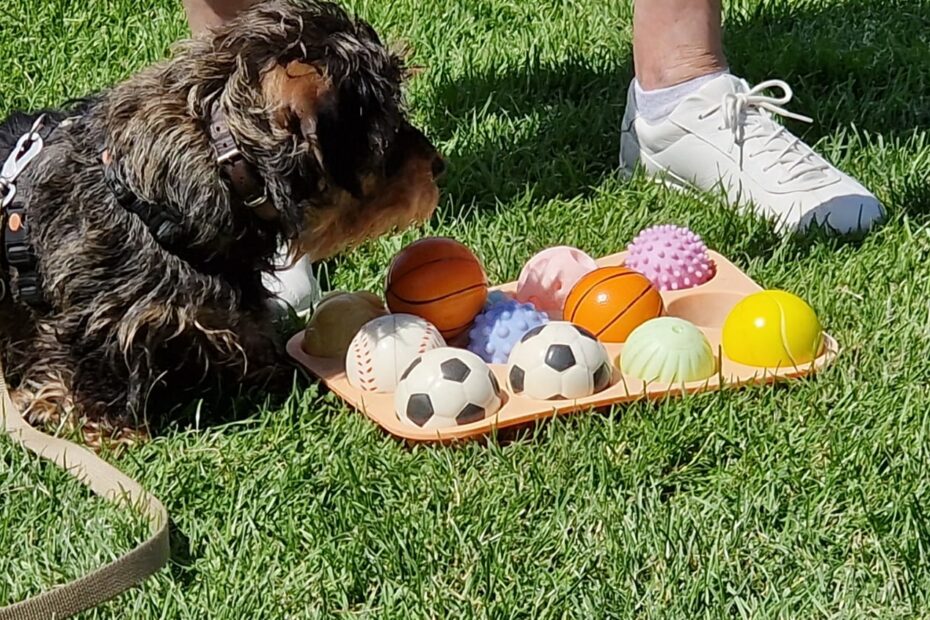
611	302
440	280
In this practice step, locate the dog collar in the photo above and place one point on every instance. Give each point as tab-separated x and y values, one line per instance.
243	178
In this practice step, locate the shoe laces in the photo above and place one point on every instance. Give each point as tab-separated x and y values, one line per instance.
749	115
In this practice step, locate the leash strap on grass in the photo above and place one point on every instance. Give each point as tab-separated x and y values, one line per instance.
108	482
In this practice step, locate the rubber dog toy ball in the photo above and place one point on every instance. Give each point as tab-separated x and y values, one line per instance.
446	388
440	280
496	297
672	257
498	329
772	329
549	276
383	348
611	302
668	350
558	361
337	319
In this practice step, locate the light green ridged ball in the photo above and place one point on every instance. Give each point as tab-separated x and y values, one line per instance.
668	350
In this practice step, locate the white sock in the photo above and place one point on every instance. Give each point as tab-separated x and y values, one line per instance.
657	105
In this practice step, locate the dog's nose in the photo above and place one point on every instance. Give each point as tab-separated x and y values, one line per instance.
439	166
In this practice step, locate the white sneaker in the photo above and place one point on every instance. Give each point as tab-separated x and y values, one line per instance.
292	285
724	136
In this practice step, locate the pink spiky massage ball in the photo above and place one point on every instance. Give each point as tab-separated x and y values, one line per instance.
672	257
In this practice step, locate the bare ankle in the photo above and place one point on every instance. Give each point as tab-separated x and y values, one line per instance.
682	66
205	14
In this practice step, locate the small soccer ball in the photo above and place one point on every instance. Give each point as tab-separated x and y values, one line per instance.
383	348
445	388
559	361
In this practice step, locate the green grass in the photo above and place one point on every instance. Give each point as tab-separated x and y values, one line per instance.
808	501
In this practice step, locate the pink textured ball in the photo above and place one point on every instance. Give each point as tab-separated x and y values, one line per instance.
672	257
548	277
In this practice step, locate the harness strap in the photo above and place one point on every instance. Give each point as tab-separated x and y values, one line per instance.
106	481
163	221
19	258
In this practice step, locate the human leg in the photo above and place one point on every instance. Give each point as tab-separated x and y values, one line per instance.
690	123
204	14
675	41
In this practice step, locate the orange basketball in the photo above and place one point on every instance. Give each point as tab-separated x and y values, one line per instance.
440	280
611	302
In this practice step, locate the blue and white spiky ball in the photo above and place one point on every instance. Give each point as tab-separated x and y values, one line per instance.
500	327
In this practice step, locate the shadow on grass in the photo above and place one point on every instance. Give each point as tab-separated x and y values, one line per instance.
221	404
853	63
182	558
575	112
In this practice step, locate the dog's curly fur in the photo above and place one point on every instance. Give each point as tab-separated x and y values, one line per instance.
132	327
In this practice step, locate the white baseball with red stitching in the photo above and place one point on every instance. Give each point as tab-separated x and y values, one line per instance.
383	349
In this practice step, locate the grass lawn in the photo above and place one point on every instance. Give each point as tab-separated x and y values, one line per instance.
809	501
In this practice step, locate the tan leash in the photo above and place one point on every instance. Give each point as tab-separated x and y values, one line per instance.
102	478
106	481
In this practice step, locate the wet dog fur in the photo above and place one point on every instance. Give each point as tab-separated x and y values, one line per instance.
132	328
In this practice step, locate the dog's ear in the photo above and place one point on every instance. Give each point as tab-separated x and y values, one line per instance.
296	92
305	102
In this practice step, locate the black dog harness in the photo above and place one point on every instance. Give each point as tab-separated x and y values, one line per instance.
19	260
164	221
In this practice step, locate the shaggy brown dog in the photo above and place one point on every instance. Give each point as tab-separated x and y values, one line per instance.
150	260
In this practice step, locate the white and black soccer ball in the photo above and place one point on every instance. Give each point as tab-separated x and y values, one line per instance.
447	387
558	361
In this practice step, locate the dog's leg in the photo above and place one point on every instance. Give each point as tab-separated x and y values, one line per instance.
50	397
43	389
44	397
268	368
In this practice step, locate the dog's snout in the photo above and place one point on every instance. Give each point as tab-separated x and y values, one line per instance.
439	166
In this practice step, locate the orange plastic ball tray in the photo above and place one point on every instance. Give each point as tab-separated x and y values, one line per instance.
706	306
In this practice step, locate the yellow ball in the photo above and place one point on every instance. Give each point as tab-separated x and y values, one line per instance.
772	329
